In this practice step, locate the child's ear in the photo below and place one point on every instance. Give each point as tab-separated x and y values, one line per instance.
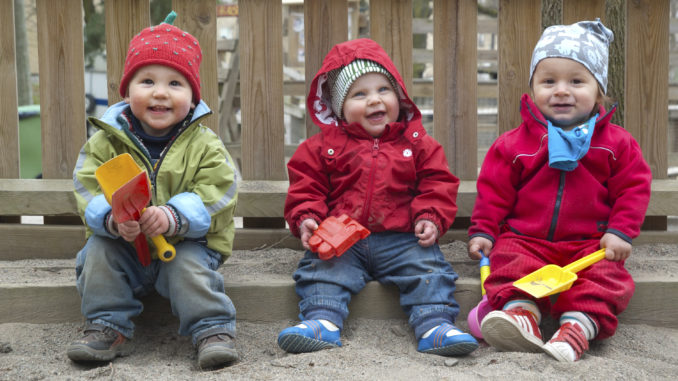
193	106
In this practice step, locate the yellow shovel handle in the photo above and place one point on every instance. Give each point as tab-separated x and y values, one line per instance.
586	261
166	252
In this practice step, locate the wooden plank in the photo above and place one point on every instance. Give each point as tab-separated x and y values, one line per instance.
455	115
64	241
9	119
255	198
519	31
646	93
199	18
272	300
577	10
62	85
124	19
41	241
325	25
391	27
261	90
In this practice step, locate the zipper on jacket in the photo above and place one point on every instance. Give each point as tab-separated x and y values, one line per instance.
370	182
556	208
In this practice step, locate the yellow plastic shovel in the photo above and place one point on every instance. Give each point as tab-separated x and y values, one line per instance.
127	190
552	279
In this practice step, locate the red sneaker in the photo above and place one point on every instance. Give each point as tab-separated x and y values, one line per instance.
568	343
514	330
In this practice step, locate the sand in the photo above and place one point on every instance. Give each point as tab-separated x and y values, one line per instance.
373	349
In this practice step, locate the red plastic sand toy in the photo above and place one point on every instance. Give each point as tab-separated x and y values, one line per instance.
336	235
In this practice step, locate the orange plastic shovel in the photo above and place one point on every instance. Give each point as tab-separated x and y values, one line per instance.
127	189
552	279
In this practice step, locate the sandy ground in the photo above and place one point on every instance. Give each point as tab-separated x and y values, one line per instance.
373	349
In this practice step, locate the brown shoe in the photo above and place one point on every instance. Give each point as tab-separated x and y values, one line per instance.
216	350
99	343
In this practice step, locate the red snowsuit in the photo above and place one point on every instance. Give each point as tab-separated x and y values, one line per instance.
538	215
385	183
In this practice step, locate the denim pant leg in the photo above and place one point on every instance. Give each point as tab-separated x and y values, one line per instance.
196	291
108	278
325	286
425	279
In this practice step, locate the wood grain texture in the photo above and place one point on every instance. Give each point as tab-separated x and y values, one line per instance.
646	93
62	85
9	120
519	30
325	25
391	27
255	198
578	10
261	90
455	116
199	18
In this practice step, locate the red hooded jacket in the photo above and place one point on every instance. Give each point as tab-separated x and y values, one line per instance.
608	191
385	183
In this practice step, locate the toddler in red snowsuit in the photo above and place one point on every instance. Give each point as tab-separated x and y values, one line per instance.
563	184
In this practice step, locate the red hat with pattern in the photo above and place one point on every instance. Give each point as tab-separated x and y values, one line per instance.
167	45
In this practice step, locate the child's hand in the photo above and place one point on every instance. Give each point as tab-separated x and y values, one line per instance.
153	221
616	249
476	244
128	230
427	232
306	228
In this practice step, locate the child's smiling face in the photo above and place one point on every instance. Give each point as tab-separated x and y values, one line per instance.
372	102
160	97
564	91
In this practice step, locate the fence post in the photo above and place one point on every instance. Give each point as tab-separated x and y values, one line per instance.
519	30
199	18
391	27
325	25
62	85
455	52
646	93
124	19
261	80
9	120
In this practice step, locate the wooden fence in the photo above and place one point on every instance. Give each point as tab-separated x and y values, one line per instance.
454	90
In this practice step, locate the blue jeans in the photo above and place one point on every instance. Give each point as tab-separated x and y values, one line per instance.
423	276
110	281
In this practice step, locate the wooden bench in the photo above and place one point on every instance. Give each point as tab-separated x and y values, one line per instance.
20	197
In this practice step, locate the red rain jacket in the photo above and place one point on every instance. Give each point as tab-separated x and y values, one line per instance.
385	183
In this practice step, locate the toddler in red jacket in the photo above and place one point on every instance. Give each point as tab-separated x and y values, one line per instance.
373	162
563	184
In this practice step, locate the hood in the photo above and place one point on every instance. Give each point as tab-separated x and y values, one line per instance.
318	101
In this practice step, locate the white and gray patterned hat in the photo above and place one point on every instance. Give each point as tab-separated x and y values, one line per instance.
586	42
340	81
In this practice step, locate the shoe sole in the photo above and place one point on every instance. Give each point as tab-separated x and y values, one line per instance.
506	335
81	352
218	356
295	343
554	353
459	349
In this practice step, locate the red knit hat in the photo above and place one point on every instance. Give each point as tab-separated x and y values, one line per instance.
167	45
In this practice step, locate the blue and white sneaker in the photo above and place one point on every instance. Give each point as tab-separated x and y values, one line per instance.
309	336
447	340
